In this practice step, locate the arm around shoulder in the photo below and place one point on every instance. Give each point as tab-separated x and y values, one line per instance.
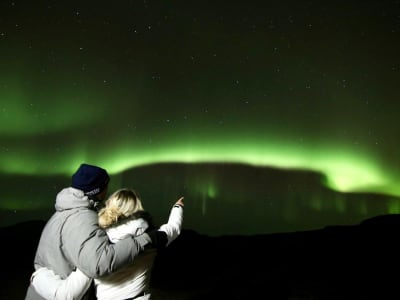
92	252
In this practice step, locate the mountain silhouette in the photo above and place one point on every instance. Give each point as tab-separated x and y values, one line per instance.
335	262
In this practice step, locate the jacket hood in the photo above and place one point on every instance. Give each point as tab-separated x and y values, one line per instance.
70	198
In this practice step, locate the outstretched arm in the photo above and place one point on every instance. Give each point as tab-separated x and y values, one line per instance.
174	225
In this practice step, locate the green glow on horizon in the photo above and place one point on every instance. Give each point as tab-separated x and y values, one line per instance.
363	208
212	191
316	203
344	170
340	205
394	206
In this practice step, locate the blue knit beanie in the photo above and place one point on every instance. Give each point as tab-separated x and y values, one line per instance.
90	179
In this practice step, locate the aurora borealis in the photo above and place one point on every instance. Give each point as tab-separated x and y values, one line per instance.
216	89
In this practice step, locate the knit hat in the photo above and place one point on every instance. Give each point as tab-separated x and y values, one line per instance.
90	179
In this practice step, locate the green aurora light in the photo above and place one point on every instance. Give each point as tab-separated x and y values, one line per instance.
344	171
294	86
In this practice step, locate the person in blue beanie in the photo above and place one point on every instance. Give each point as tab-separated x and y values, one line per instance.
72	238
122	215
93	181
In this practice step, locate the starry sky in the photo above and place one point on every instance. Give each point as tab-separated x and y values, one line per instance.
290	107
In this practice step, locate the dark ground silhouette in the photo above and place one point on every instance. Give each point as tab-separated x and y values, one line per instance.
335	262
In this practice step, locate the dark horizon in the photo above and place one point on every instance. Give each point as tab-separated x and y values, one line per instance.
338	262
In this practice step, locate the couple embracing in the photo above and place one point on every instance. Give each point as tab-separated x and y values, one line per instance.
86	253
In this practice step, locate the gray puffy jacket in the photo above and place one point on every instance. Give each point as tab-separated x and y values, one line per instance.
72	239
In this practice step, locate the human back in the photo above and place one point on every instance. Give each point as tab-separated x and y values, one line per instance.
72	239
122	218
123	215
61	240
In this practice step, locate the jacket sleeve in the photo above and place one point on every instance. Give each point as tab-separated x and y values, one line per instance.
173	227
50	286
88	247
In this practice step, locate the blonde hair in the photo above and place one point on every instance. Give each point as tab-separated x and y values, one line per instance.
121	204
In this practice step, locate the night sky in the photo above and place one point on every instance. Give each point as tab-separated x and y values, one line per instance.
266	115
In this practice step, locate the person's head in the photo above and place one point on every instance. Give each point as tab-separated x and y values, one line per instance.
121	204
92	180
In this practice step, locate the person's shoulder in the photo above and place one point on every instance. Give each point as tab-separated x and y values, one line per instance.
133	222
144	215
84	215
139	220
